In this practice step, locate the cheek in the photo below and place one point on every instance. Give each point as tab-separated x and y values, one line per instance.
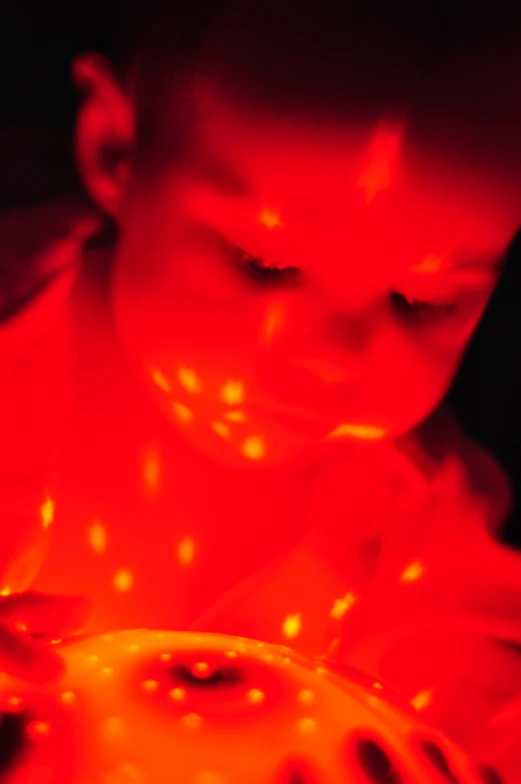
201	365
177	306
409	374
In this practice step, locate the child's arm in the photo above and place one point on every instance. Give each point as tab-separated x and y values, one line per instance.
498	743
286	603
405	582
441	622
38	245
296	598
447	639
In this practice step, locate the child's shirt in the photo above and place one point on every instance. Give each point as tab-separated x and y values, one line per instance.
385	557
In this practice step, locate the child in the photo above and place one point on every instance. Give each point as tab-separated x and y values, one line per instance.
312	208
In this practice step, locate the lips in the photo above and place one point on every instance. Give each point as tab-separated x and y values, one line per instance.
296	390
326	370
289	391
293	411
297	419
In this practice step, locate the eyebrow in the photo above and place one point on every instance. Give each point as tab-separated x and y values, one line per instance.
492	262
225	181
222	178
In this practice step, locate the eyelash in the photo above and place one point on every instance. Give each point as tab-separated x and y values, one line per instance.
406	307
419	310
266	274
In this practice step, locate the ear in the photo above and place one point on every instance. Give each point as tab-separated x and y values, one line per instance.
104	132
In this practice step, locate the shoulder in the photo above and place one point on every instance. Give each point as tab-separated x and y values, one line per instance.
39	245
41	253
434	480
458	470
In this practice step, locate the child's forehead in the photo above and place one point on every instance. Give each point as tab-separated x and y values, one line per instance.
369	183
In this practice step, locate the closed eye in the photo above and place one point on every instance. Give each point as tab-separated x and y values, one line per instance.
418	308
269	273
261	271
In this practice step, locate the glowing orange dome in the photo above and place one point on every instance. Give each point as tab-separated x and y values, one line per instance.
147	707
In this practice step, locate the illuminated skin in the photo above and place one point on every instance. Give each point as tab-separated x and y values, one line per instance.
339	286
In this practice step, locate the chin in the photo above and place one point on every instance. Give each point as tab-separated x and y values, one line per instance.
256	453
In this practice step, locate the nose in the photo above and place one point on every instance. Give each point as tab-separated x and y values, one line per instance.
350	331
329	346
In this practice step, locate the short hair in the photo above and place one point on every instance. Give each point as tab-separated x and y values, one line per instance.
331	59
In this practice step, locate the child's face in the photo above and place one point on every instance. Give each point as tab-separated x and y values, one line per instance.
288	284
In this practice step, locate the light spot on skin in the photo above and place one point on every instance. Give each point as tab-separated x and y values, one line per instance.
235	416
412	572
189	380
232	393
270	218
221	429
306	697
383	155
186	551
307	726
253	448
231	654
273	321
430	265
38	729
133	648
47	512
255	696
97	537
292	626
150	685
422	700
107	672
151	470
93	659
113	727
377	686
192	721
14	703
165	657
67	698
182	413
128	773
341	606
5	591
362	432
123	580
178	695
20	626
161	381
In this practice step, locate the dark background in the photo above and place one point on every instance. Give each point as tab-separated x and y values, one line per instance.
37	104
